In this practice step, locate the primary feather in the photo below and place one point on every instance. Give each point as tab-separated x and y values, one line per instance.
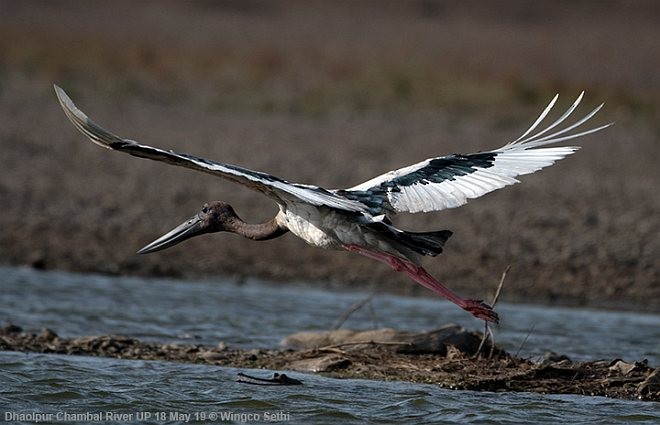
278	189
449	181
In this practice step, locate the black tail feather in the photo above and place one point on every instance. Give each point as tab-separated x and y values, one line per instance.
425	243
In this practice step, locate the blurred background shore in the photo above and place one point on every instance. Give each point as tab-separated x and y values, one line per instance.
334	93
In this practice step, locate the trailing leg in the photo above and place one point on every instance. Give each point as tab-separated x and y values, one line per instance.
477	308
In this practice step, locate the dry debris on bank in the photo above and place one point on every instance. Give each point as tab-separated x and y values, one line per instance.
445	357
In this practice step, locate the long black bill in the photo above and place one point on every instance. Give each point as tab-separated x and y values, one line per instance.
193	227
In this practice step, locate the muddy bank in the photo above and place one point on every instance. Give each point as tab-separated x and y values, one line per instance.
446	357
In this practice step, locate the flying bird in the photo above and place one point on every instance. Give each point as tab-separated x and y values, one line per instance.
357	219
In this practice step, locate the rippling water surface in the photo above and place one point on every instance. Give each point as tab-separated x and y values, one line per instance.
257	315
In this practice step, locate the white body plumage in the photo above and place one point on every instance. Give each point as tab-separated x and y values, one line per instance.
326	228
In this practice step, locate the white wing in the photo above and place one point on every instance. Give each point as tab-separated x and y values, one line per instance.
278	189
448	182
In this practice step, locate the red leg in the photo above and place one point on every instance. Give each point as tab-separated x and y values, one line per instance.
477	308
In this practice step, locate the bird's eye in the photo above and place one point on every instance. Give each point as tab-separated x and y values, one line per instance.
205	209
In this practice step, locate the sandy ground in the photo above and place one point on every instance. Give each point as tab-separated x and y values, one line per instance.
333	94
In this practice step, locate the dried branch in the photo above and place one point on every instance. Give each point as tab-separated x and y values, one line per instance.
488	333
525	340
352	309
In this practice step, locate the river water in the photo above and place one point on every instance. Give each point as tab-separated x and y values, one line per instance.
40	387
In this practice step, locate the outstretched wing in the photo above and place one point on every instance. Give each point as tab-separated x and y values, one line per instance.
448	182
276	188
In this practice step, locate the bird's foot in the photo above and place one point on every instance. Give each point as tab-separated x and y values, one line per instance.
481	310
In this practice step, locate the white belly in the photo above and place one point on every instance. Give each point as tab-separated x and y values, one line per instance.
328	229
320	227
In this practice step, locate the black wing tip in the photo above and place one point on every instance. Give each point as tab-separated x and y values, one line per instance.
67	104
61	94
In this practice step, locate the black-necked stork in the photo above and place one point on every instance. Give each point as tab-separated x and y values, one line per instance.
358	219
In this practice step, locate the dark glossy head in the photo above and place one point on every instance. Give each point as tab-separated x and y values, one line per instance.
216	216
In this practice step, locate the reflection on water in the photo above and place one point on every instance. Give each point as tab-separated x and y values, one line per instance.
257	315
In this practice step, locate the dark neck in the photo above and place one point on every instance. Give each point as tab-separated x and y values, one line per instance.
257	232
